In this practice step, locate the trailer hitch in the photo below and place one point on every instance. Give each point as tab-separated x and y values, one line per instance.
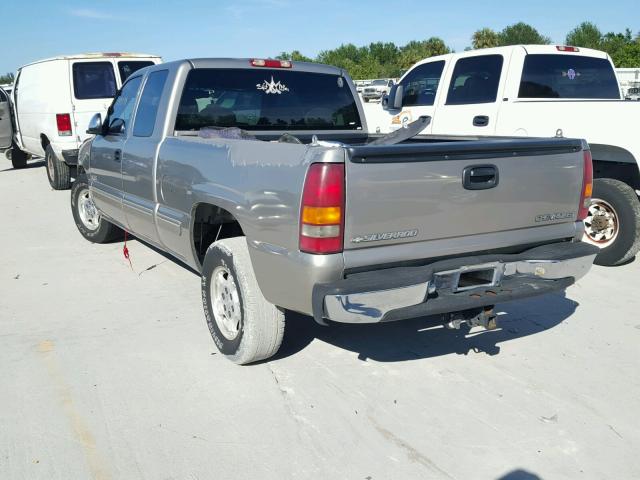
477	317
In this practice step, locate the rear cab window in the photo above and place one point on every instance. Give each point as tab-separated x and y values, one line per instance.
421	84
93	80
475	80
127	67
266	99
568	76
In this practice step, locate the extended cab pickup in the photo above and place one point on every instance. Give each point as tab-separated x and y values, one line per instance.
260	174
537	91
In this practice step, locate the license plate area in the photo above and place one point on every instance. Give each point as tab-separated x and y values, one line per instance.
468	278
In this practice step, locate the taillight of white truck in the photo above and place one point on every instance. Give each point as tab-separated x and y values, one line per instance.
322	209
587	186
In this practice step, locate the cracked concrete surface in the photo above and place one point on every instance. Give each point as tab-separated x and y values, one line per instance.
109	374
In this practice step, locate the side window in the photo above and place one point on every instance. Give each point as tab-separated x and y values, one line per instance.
421	84
475	80
122	107
93	80
129	67
148	106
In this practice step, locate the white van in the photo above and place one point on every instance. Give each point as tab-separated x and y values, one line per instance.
53	101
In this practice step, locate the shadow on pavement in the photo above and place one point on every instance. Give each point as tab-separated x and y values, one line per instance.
36	164
426	337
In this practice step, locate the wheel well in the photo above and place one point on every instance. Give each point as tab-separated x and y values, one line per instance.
44	141
625	172
212	223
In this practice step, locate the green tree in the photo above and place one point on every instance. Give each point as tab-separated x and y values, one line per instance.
295	56
522	34
623	48
417	50
585	35
485	38
7	78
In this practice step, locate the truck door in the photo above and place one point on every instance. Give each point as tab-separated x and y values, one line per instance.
138	161
106	152
470	104
419	90
6	129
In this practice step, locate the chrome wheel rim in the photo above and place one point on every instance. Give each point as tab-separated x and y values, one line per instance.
50	166
225	300
87	210
601	227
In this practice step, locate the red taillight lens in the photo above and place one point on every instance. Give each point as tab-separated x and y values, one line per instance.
63	120
587	186
259	62
322	209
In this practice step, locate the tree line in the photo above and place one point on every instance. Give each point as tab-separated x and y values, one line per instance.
387	60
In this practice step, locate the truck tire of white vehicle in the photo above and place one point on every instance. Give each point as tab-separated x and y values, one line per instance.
58	172
613	222
90	223
18	157
245	327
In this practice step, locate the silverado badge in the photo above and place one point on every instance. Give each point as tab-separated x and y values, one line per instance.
376	237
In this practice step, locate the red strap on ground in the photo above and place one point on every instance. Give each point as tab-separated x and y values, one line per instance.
125	250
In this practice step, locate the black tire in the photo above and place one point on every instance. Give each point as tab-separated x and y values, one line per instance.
259	325
58	172
103	231
18	157
624	201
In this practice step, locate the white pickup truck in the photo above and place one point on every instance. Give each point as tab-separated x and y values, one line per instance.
539	91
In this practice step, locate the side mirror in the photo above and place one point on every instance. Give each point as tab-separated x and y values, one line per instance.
95	125
393	101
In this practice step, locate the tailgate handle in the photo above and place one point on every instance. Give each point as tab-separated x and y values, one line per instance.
480	121
480	177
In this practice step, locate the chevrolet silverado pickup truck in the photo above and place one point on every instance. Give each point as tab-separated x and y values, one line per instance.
262	176
538	91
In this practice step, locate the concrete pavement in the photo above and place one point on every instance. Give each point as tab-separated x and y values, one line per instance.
109	373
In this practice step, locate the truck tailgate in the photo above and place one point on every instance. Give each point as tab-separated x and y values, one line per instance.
414	192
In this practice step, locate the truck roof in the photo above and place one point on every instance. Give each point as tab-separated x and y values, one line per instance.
246	63
88	56
533	49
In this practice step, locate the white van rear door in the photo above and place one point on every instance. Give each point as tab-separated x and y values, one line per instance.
94	83
6	129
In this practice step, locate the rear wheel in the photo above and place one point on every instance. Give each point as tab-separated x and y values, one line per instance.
244	325
58	172
613	222
90	223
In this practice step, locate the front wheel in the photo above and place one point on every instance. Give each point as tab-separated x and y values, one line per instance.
244	325
90	223
613	222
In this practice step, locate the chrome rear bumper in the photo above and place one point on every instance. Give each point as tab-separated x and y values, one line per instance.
452	285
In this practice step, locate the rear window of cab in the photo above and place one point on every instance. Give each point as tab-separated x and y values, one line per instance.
568	76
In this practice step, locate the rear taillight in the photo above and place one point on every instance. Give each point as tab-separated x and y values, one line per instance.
322	209
566	48
63	120
587	186
259	62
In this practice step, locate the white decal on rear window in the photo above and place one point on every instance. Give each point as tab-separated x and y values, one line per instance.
272	86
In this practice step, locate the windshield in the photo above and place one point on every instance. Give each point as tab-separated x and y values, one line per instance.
266	99
379	82
633	91
568	76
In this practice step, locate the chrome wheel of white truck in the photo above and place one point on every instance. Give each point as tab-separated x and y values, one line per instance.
245	327
613	223
601	226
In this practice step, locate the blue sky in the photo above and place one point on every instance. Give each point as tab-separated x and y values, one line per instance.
262	28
